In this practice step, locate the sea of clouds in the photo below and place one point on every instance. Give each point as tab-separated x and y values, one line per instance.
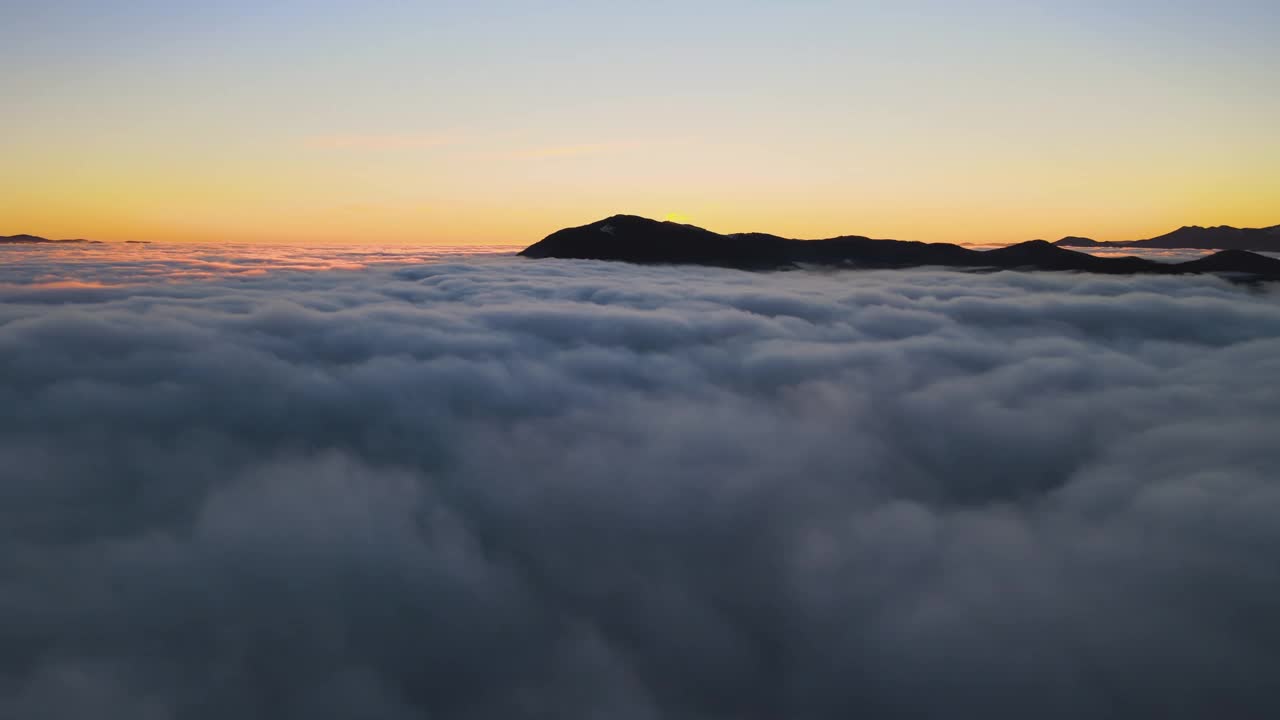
355	484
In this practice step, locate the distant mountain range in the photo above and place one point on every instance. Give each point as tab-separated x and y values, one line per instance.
1222	237
30	239
640	240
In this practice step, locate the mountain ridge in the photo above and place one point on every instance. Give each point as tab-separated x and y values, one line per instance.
1194	237
635	239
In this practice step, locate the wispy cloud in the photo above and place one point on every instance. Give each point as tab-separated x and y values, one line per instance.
579	149
421	141
401	141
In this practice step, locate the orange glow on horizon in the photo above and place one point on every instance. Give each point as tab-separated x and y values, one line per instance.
361	190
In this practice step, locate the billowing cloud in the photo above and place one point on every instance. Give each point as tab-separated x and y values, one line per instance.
494	487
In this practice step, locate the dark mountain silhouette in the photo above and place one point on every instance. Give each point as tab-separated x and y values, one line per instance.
35	239
1072	241
635	239
1234	261
1194	237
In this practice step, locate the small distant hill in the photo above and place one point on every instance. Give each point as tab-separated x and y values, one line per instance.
35	239
630	238
1194	237
1072	241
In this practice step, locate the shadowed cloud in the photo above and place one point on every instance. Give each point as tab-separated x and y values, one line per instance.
493	487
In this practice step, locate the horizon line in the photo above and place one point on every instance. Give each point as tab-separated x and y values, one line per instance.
401	243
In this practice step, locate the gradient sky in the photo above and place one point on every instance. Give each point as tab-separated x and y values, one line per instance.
498	122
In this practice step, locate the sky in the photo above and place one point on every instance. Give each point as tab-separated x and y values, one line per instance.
499	122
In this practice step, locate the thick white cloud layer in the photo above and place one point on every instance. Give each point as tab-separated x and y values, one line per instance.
493	488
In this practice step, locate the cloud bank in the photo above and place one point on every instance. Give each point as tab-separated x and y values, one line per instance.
493	487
